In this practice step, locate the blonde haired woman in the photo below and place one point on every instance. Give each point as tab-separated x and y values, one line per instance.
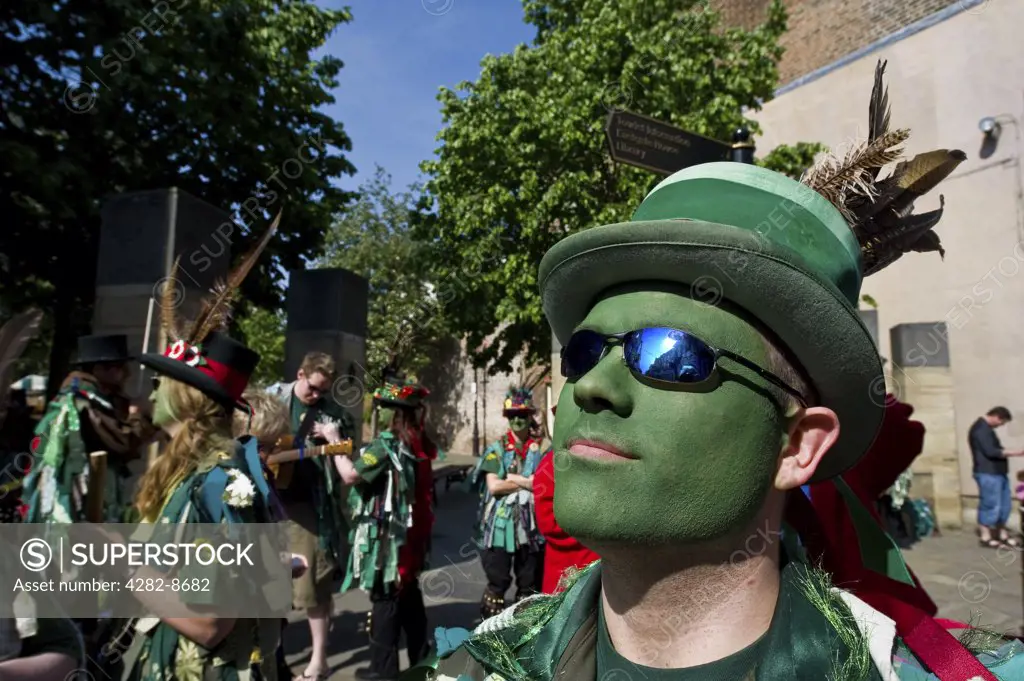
203	476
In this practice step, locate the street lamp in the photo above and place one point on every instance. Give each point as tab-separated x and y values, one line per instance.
991	127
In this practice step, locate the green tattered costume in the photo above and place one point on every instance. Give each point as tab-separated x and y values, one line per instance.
508	522
381	507
783	253
55	490
158	652
817	633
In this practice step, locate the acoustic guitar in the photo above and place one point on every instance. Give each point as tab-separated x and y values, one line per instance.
282	462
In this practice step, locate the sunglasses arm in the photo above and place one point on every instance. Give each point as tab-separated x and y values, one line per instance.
767	375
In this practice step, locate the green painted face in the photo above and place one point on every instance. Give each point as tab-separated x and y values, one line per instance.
705	456
162	412
519	423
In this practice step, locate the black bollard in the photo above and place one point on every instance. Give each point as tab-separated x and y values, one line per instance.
742	147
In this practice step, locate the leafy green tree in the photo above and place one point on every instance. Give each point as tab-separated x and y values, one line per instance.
218	98
523	159
263	330
792	160
374	239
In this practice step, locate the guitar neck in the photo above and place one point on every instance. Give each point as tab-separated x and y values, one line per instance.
310	452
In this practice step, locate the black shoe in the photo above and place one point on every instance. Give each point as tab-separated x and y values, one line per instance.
367	674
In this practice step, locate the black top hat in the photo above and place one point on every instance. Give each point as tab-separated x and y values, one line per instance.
100	349
219	367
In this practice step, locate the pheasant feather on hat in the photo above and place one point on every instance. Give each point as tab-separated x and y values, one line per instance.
200	354
879	211
216	310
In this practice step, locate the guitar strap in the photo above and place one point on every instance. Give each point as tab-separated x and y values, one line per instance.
307	425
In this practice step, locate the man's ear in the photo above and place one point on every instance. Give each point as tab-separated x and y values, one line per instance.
301	375
811	434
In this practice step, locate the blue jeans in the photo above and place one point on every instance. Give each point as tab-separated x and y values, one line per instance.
994	503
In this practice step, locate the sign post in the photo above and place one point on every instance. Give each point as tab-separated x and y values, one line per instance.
662	148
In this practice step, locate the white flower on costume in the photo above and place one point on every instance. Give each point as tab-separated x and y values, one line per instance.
240	491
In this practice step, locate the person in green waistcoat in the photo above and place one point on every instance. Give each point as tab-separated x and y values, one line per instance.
89	414
715	363
392	517
507	533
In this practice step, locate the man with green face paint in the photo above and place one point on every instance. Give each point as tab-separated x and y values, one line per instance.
715	364
508	536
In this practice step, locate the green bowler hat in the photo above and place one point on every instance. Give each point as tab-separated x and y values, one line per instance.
773	246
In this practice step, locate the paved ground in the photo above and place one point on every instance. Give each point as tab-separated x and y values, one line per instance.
970	583
967	582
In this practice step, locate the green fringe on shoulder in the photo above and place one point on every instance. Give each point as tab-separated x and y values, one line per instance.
817	587
979	640
530	618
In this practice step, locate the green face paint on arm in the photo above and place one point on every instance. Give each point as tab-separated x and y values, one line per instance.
705	455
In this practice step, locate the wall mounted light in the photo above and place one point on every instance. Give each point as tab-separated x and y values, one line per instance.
990	127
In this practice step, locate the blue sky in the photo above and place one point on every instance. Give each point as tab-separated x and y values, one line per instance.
397	54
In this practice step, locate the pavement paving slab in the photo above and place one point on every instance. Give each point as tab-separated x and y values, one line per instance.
967	582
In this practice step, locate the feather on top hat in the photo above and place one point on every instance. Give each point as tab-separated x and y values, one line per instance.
804	248
518	399
201	354
401	393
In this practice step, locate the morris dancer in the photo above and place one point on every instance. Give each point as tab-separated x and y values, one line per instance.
203	476
392	519
507	532
90	413
684	426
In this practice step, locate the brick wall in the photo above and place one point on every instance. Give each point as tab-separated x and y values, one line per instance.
822	31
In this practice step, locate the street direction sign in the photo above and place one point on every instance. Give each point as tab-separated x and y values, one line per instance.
662	148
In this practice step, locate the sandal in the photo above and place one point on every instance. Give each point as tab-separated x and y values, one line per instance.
990	543
306	676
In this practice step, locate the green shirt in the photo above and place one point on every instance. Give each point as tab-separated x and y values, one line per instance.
737	667
307	472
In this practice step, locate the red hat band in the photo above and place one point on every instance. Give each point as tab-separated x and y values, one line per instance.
233	381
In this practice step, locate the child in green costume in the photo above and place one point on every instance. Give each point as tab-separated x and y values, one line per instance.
392	519
507	531
715	364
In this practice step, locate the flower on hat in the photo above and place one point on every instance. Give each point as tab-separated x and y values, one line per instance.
240	491
519	399
400	392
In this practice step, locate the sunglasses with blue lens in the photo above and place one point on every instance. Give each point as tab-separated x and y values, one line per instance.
658	354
